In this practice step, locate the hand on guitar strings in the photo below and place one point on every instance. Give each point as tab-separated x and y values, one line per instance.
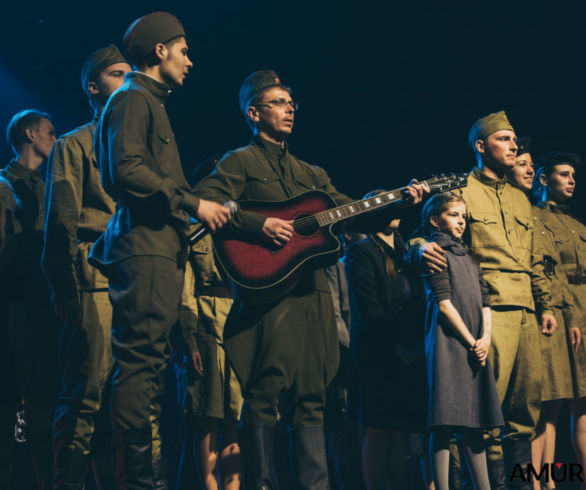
413	193
212	214
278	231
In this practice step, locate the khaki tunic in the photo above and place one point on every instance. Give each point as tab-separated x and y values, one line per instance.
568	236
78	210
500	233
204	313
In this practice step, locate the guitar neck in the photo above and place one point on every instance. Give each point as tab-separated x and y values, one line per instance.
357	207
442	183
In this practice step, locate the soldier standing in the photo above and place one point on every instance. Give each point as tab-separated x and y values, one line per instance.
78	210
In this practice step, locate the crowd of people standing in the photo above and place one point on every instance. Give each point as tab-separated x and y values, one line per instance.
440	357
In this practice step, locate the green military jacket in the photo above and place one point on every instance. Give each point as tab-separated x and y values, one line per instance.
267	171
78	210
206	298
141	170
500	232
27	223
553	269
569	236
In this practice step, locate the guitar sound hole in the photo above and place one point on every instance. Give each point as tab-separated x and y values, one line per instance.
305	225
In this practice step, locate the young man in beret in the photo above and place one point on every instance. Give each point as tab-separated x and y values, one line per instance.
143	250
78	210
288	349
500	233
33	327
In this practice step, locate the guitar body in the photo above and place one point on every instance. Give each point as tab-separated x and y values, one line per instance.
263	273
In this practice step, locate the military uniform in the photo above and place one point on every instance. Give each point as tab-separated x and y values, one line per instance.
33	322
142	253
567	244
78	210
205	304
291	343
9	396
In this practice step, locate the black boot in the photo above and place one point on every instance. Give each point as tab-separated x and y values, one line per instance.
310	466
70	469
133	459
256	445
496	473
160	473
517	455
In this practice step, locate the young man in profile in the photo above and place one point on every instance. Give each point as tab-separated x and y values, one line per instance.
33	328
77	212
143	250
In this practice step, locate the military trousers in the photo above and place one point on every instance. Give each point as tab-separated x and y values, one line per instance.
284	352
145	292
85	364
515	356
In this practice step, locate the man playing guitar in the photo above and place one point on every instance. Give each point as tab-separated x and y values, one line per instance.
287	349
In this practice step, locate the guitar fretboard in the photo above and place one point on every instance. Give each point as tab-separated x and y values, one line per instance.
357	207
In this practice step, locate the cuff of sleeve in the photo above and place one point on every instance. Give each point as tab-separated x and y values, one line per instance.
253	222
189	203
546	311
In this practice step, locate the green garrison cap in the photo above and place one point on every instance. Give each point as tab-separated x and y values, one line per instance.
553	158
97	62
523	145
487	125
143	34
255	84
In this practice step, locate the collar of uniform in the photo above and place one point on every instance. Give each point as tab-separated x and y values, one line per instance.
21	172
554	208
273	149
486	180
158	89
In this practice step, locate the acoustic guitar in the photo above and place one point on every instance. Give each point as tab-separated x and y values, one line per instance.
262	273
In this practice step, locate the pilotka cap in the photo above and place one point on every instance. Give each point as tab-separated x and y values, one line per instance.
487	125
143	34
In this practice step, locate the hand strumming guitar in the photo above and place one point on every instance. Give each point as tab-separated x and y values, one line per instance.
278	231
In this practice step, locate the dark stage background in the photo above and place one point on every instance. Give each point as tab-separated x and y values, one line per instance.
388	90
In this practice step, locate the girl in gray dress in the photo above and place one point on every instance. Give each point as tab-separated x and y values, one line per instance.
462	391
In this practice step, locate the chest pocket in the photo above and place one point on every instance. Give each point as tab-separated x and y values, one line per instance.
265	186
305	182
486	231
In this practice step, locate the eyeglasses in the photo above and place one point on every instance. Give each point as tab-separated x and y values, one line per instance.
282	103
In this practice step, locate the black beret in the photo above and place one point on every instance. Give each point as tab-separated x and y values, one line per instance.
97	62
256	83
553	158
523	145
143	34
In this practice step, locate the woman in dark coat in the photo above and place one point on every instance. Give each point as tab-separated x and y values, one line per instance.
387	308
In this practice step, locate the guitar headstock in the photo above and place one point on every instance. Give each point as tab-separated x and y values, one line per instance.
446	182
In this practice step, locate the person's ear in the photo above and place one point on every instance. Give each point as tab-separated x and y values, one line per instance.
480	146
253	114
92	88
543	180
29	135
434	221
161	51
